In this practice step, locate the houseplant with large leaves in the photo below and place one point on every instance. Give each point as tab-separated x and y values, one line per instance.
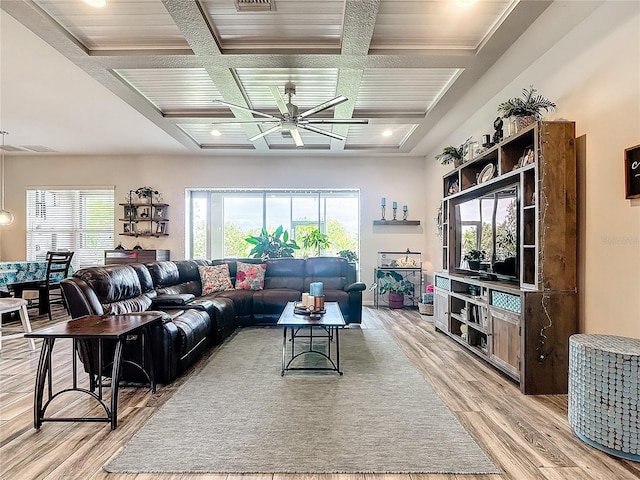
391	282
272	245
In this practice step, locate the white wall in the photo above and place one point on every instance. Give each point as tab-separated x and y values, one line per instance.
593	74
399	180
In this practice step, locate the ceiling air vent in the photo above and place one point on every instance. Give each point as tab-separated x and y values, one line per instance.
255	5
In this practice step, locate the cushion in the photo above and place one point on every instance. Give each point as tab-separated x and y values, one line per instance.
215	279
250	276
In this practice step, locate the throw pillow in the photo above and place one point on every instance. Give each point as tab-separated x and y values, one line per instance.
215	278
250	276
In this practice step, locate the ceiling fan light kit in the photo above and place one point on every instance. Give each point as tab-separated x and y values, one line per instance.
290	119
96	3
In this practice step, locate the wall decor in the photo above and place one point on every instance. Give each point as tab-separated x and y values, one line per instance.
632	172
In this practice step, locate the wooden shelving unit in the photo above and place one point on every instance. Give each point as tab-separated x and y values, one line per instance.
144	219
521	324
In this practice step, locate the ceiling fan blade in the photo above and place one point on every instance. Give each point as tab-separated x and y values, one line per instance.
232	121
266	132
322	132
295	134
324	106
277	96
255	112
343	121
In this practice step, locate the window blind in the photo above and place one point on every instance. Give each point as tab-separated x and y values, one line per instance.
78	220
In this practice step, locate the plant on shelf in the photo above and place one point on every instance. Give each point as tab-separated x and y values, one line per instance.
474	257
272	245
395	285
452	154
348	255
145	193
527	108
316	241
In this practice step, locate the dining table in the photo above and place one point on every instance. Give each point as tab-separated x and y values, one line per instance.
23	271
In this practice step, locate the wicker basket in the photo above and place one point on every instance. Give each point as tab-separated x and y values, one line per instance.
425	308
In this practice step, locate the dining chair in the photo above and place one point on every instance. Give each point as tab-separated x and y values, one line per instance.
9	305
49	291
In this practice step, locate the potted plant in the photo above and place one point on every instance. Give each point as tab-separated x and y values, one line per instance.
474	257
527	109
349	255
145	194
453	154
395	285
272	245
316	241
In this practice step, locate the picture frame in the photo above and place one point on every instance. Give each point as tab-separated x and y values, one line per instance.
528	157
454	186
632	172
126	228
130	212
161	228
158	212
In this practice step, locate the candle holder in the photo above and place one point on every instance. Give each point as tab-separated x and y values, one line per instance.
383	207
404	215
395	211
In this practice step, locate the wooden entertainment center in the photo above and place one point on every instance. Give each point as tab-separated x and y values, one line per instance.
517	313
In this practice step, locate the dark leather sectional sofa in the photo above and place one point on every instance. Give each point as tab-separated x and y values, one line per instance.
193	321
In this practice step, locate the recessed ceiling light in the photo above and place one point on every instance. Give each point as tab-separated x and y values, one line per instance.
466	3
387	133
96	3
215	133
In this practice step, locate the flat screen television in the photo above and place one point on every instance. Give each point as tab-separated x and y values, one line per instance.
489	223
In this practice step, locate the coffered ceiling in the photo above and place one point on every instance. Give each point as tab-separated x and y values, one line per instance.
402	64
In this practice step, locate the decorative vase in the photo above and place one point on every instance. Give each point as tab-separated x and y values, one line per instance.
457	162
474	264
524	122
396	300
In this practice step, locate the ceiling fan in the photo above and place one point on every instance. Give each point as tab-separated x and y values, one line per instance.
290	119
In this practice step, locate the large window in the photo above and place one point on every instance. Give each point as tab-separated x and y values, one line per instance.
76	220
220	220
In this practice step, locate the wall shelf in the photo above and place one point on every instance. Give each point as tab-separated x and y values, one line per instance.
396	222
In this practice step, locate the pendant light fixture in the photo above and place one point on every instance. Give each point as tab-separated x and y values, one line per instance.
6	218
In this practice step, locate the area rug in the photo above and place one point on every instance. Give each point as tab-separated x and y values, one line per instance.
239	415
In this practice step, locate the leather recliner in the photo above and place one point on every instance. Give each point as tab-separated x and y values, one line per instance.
120	289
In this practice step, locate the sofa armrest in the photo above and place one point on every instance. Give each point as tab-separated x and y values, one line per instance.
355	287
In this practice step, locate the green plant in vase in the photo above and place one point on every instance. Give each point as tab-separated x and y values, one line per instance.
349	255
272	245
474	258
527	108
145	194
453	154
391	282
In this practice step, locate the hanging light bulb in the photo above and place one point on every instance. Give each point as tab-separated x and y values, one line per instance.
6	218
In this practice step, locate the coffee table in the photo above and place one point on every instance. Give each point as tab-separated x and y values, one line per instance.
83	329
295	324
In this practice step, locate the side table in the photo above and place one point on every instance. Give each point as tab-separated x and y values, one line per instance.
83	329
604	393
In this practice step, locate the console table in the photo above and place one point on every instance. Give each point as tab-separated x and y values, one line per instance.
84	329
604	392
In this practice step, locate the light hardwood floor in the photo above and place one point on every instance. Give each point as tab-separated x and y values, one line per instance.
528	437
